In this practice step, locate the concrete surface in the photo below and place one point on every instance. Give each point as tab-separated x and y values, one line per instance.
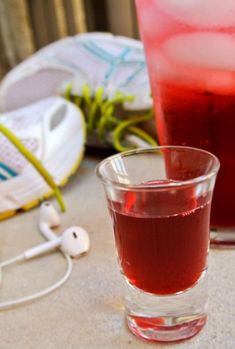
87	312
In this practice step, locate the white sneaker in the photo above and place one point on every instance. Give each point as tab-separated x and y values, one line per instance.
93	59
54	131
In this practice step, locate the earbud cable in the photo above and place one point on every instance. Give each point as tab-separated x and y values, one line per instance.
40	294
13	260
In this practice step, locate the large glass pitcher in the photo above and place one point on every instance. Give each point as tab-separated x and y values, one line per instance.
190	51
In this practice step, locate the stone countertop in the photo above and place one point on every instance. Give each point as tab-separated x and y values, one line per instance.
87	312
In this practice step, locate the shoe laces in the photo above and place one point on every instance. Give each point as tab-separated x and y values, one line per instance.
102	120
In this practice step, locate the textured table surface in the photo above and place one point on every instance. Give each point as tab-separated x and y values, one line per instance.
87	312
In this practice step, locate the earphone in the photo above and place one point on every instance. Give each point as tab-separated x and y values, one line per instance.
72	243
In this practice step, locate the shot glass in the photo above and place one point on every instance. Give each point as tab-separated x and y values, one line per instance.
159	200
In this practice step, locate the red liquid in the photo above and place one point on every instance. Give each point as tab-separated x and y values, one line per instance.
203	120
161	254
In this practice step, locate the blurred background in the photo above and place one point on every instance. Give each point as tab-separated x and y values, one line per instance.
28	25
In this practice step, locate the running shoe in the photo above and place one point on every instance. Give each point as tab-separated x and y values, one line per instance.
115	63
53	132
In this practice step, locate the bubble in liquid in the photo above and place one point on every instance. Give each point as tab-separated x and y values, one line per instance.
200	13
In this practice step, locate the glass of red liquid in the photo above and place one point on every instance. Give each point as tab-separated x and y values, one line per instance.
189	47
159	200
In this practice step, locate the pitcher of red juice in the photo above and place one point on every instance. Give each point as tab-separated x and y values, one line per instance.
190	52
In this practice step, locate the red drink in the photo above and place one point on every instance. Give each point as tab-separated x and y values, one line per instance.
161	253
203	120
191	59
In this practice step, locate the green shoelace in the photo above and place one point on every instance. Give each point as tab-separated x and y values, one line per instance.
102	120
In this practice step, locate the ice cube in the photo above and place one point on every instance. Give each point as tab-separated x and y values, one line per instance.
200	13
152	23
220	83
159	64
202	50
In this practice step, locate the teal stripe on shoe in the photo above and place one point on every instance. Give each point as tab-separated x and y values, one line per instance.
2	177
8	170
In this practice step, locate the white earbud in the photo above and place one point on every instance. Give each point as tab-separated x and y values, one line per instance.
49	215
74	242
48	218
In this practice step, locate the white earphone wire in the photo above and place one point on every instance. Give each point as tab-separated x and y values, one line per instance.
49	235
42	293
12	260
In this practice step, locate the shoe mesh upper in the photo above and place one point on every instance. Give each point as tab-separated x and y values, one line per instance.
11	157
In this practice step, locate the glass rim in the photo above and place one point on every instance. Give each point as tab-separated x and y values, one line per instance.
180	183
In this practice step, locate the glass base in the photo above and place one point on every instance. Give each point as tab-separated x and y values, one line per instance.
153	329
168	318
222	238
